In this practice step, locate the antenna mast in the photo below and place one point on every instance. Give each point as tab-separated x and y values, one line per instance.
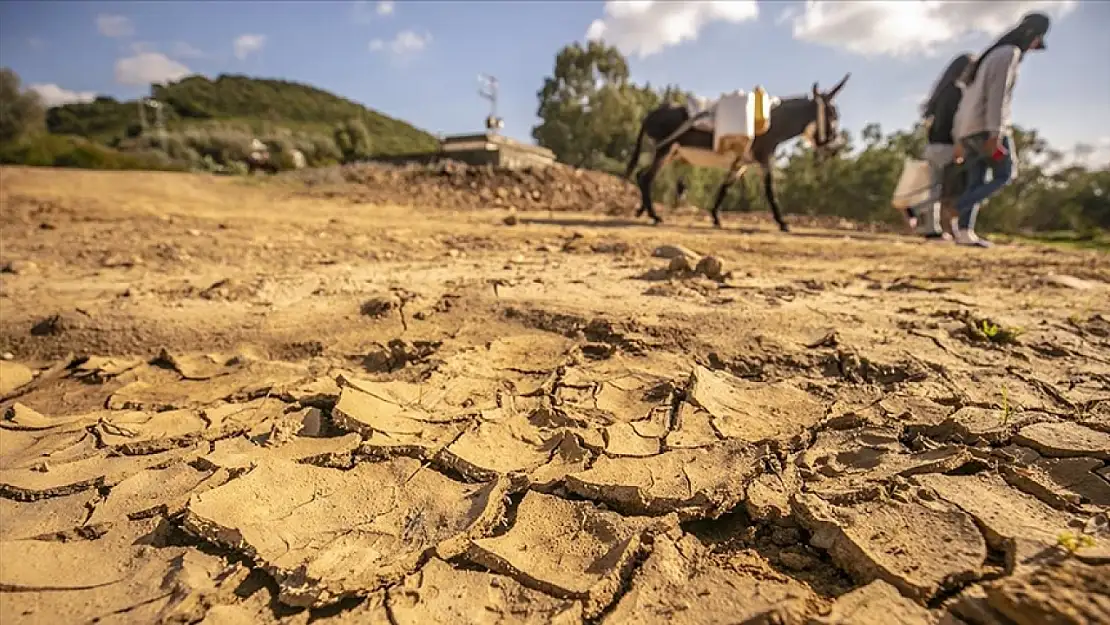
488	91
159	120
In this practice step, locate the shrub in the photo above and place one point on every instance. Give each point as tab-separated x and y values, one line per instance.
67	151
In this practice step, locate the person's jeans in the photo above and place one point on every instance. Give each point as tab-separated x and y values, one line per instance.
977	165
938	155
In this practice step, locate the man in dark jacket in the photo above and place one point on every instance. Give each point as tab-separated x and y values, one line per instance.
939	112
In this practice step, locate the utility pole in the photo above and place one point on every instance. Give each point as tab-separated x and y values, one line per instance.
159	120
142	114
488	91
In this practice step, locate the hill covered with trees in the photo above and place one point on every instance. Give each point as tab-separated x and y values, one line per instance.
210	123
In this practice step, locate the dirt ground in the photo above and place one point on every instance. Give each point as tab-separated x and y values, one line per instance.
234	401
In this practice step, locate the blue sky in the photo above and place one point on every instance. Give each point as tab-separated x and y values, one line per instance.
419	60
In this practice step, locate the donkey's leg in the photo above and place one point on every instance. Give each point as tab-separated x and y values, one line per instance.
736	172
769	190
645	199
646	179
721	192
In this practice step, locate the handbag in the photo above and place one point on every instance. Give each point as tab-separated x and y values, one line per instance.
913	184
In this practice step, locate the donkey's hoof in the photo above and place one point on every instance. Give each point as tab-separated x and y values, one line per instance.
717	225
655	221
784	227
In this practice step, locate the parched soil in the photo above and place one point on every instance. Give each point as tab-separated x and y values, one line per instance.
233	401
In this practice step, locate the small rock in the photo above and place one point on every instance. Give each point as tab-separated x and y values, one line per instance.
786	536
673	251
510	219
7	356
453	253
1070	282
193	232
710	267
18	267
679	264
518	259
13	375
376	307
795	559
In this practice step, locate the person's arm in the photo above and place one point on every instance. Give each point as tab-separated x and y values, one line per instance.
999	74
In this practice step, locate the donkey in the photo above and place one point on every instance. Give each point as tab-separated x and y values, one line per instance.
668	128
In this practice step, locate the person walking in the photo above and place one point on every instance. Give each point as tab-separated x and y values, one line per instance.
939	113
982	123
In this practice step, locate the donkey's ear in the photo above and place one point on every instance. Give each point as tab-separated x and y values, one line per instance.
816	91
840	85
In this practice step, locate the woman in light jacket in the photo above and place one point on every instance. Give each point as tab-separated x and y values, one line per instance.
939	112
982	124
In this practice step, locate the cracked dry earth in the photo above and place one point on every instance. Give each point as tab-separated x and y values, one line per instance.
230	403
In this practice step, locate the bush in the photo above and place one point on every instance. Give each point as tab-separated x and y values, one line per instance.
67	151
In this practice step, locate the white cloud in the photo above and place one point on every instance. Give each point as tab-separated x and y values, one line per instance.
645	27
364	11
53	95
36	43
405	42
246	45
140	47
114	25
902	27
184	50
149	67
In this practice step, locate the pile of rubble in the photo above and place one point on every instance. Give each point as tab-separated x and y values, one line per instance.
455	185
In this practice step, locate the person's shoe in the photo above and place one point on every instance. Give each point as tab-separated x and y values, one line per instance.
969	238
911	219
937	237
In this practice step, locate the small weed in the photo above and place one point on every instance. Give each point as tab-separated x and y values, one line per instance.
985	329
1072	542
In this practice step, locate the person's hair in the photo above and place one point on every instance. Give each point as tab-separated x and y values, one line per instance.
1033	25
954	70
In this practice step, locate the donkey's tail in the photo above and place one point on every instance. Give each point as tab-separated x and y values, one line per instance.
635	158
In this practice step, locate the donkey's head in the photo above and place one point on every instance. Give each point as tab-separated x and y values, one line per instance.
823	130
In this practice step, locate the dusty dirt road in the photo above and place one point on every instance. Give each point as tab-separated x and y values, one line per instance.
228	401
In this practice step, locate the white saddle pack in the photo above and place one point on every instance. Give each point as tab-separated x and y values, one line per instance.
734	118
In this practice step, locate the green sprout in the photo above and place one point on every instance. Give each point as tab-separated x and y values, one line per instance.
1072	542
996	333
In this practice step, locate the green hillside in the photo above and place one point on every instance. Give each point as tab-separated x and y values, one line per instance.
240	103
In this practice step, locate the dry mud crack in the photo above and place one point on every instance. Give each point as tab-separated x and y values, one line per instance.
444	419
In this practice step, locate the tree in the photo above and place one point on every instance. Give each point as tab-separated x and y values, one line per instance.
589	110
22	113
353	140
